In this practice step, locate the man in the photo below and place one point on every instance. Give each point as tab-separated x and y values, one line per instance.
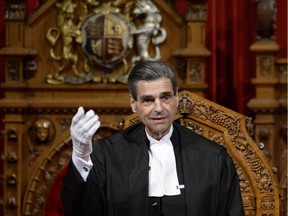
154	168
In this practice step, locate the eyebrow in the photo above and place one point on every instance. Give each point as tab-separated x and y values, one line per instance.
167	93
151	96
144	97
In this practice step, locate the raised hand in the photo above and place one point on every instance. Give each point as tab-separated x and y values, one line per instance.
83	127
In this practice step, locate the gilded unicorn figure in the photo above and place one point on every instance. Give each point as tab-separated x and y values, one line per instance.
149	30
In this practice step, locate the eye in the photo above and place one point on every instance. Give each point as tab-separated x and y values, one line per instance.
166	98
147	101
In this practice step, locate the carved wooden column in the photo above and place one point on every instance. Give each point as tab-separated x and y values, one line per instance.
193	57
266	103
281	132
270	102
15	55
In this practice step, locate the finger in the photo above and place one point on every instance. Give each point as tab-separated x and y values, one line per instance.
79	115
93	128
88	116
89	124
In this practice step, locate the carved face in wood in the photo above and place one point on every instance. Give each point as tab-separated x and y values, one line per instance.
42	131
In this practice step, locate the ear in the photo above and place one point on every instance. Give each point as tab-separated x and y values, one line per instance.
177	98
133	104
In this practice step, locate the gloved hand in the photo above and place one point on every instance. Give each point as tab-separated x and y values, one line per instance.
82	129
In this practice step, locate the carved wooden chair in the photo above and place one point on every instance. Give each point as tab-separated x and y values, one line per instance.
258	183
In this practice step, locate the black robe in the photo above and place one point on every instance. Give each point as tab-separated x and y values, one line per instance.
118	183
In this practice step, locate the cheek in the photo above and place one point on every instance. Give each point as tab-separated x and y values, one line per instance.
143	111
172	109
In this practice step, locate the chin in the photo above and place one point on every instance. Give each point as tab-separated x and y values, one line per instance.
159	131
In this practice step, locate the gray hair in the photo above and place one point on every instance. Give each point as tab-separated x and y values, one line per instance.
149	71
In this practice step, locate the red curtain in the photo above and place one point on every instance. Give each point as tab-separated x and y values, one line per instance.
229	34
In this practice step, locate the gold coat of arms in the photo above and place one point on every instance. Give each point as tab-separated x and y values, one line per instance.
92	41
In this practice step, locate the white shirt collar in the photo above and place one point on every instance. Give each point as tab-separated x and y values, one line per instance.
163	179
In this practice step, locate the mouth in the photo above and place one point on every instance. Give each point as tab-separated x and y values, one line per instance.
158	120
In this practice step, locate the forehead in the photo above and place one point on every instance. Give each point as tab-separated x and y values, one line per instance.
154	87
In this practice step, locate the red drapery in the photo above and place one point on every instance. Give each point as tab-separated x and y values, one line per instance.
230	33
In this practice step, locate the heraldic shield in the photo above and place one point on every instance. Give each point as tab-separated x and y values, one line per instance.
106	38
93	39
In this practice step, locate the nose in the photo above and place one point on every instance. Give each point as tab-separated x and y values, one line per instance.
158	106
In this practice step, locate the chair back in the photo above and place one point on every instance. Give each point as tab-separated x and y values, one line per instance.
234	131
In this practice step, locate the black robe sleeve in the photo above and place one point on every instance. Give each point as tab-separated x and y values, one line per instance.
80	197
229	199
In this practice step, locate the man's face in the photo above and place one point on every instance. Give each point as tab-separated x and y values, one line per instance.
156	106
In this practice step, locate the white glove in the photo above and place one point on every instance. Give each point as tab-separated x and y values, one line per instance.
82	129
